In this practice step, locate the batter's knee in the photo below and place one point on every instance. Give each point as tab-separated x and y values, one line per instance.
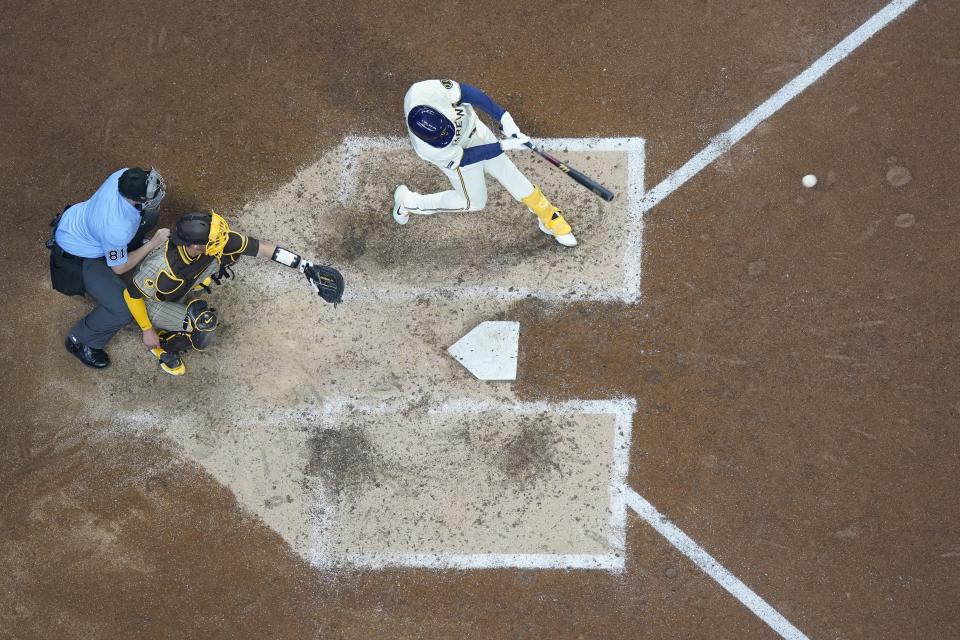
477	203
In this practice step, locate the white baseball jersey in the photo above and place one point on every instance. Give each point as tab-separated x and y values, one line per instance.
444	96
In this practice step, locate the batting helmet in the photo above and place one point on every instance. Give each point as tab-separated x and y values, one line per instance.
431	126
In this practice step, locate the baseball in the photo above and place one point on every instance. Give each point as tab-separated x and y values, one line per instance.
809	180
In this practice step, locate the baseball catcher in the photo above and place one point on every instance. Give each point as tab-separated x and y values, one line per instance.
200	252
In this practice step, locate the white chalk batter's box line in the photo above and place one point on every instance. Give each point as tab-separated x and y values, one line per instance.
628	291
622	411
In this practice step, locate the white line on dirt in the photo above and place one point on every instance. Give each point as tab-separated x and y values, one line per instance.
633	258
612	563
362	293
722	143
622	439
708	564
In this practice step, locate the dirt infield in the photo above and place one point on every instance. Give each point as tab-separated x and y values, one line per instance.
793	356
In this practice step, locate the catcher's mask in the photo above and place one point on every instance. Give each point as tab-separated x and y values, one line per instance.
156	189
207	229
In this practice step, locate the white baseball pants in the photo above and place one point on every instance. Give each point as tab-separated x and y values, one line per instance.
469	183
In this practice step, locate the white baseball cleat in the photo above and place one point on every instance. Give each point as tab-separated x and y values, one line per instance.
399	214
566	239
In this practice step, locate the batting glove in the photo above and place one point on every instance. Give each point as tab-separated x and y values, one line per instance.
514	144
509	127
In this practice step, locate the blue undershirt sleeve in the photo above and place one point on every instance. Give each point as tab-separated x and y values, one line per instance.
469	93
480	152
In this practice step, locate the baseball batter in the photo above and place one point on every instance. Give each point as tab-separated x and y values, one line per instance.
445	130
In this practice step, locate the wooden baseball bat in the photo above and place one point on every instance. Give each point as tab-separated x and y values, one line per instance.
575	175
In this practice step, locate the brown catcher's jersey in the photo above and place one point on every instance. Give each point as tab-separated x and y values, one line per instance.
168	272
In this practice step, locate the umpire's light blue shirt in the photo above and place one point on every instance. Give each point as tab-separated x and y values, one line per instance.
101	226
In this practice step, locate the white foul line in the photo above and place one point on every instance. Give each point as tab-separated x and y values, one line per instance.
685	545
720	144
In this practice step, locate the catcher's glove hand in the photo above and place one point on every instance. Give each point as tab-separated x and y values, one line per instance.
325	280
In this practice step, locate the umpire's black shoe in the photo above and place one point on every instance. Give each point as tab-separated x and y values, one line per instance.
96	358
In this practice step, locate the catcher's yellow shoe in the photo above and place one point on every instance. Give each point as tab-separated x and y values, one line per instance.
550	218
169	362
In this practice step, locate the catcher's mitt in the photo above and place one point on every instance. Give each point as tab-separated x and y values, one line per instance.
326	281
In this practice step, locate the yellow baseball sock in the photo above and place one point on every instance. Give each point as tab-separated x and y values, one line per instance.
549	215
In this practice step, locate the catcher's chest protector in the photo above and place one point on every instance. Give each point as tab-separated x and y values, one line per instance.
168	273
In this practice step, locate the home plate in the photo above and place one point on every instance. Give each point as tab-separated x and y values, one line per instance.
489	350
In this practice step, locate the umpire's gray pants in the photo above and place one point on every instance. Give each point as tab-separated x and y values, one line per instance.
111	313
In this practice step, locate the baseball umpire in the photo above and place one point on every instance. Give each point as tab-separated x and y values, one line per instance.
93	243
201	251
445	130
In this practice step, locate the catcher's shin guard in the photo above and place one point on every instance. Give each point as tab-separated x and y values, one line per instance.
550	218
199	325
169	362
202	322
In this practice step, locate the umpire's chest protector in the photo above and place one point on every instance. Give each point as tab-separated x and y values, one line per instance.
168	273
